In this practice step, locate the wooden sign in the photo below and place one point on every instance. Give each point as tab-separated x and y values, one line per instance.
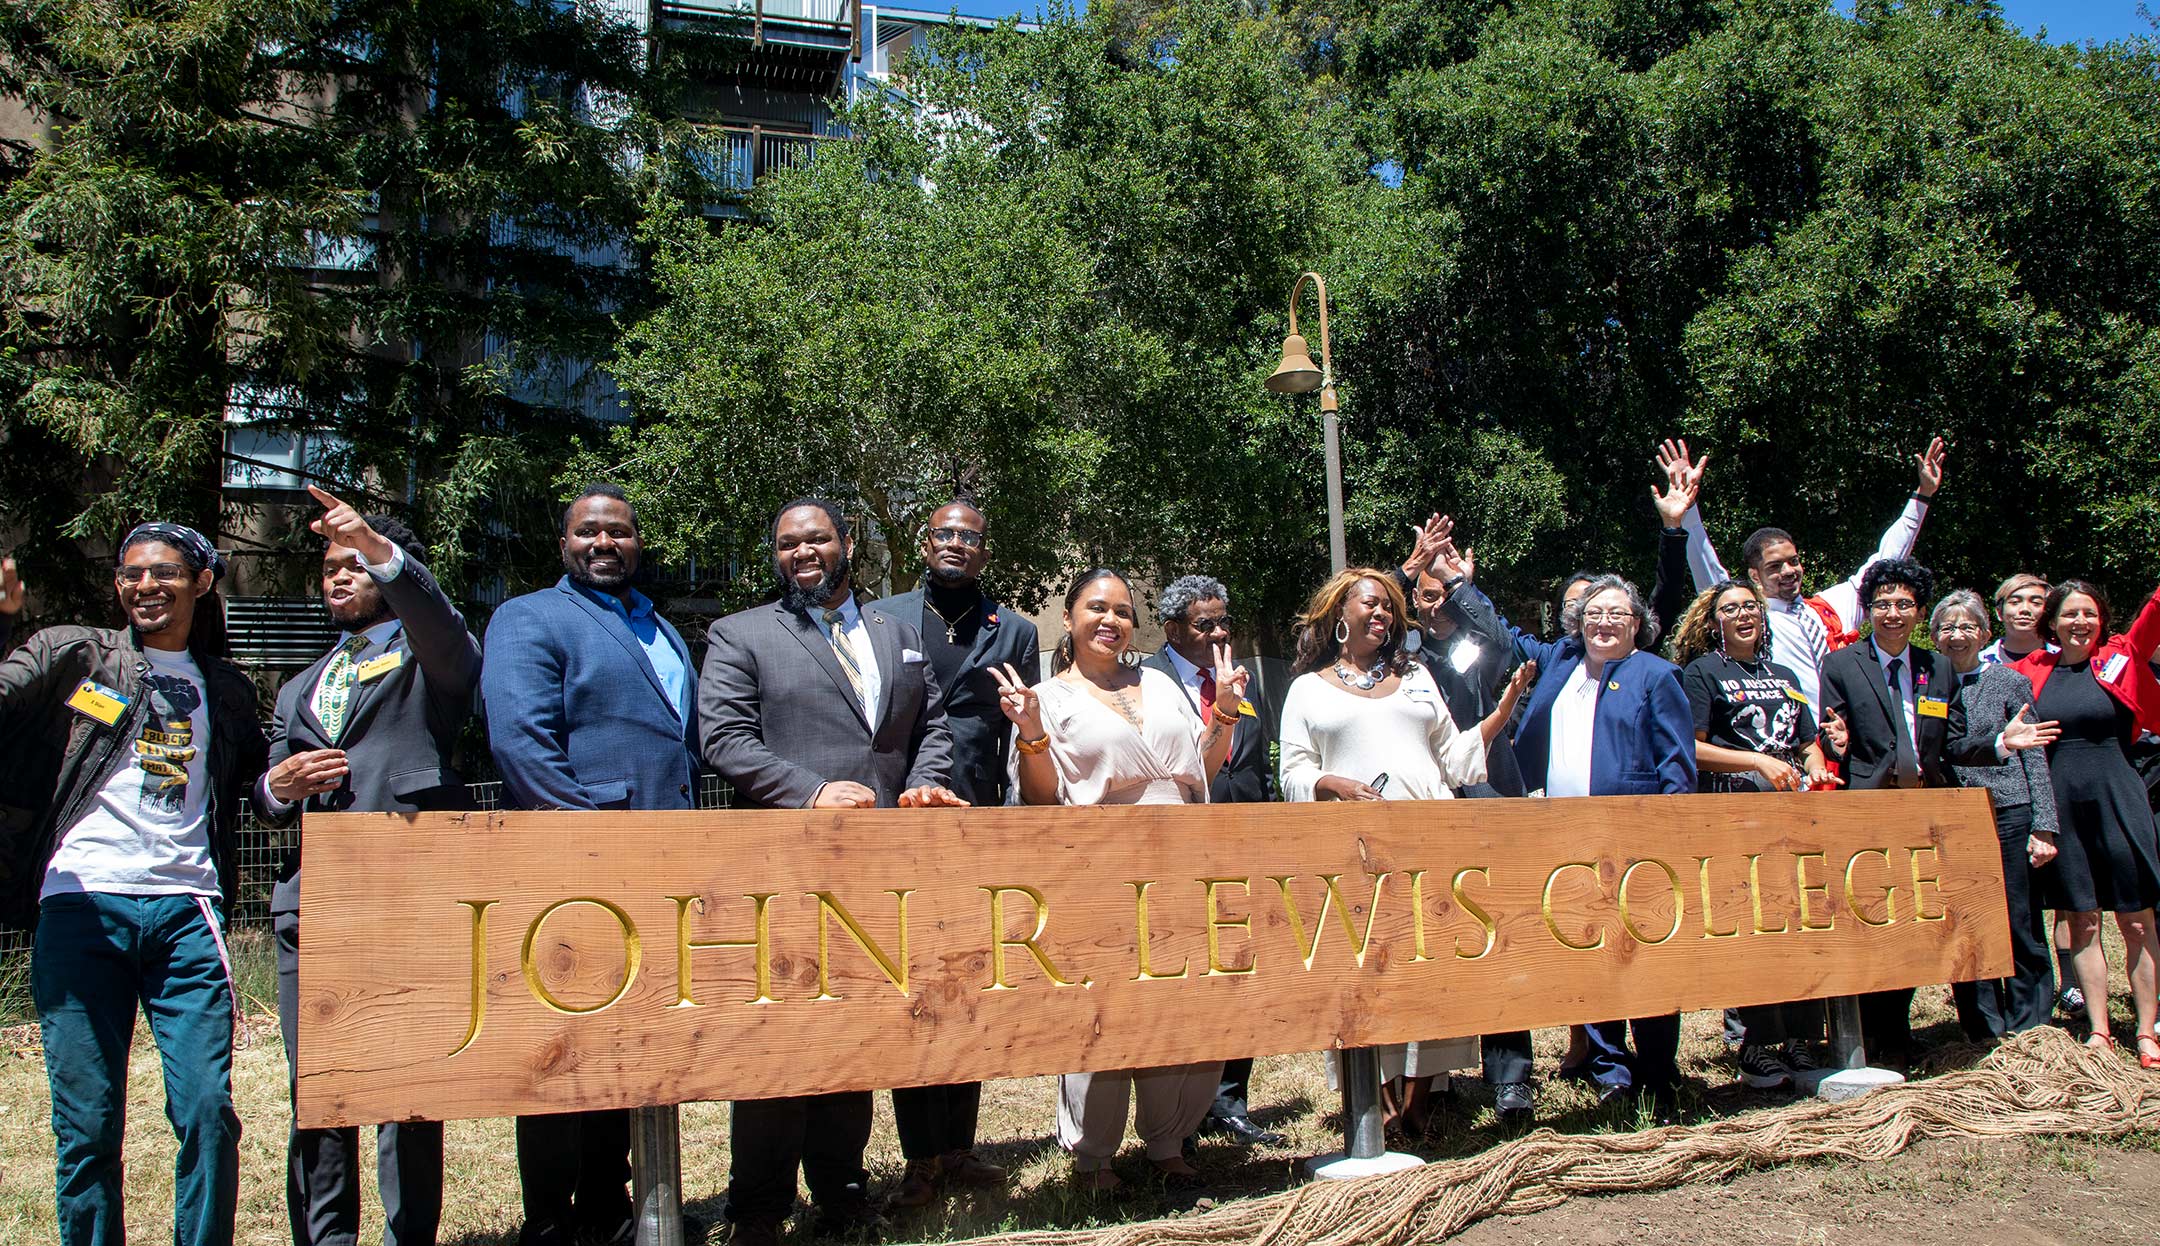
483	964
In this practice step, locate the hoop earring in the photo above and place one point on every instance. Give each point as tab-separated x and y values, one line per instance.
1342	630
1128	658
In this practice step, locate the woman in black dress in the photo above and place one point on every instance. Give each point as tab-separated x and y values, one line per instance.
2098	688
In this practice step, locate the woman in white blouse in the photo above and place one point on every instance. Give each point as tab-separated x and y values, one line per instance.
1364	721
1103	732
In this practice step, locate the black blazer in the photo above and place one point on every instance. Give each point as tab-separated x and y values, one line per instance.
1247	776
400	727
1854	687
981	733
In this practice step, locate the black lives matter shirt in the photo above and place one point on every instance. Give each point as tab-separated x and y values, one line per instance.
1753	706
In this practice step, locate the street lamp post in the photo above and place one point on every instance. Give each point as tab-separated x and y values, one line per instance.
1364	1150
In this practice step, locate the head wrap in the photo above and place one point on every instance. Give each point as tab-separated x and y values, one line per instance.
194	547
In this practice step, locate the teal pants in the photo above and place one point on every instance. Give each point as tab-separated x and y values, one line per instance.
97	957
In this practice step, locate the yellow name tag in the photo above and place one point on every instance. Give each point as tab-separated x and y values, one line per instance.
376	668
1245	708
96	701
1797	695
1929	707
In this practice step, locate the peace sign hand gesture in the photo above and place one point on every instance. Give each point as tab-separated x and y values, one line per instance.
1230	682
1018	702
342	525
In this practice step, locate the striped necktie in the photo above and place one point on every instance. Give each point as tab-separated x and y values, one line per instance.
334	693
845	654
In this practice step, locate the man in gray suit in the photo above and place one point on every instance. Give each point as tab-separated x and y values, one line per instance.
369	727
816	701
966	636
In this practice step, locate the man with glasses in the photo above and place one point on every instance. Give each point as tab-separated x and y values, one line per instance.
123	757
1904	727
966	635
1195	614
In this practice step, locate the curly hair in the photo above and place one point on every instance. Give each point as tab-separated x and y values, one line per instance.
1698	632
1895	573
1187	591
1316	643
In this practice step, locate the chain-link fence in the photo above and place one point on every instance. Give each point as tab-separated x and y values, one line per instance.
262	847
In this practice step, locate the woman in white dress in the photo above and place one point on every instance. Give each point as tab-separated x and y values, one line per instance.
1364	721
1103	732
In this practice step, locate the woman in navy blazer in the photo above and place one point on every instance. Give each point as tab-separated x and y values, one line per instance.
1599	680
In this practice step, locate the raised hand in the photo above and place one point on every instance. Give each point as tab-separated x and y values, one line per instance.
2023	733
1450	564
1431	535
342	525
11	588
1930	465
1018	702
1230	682
307	774
930	796
1683	481
1834	730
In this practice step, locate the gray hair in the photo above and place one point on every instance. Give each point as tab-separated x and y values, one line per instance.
1959	599
1187	590
1646	623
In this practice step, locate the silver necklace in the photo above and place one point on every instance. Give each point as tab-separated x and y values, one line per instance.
1363	680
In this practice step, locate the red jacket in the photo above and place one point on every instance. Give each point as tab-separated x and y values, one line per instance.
2119	665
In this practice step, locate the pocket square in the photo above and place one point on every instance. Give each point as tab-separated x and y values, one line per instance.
910	655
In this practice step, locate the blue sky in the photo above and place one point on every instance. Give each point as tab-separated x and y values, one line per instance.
2067	21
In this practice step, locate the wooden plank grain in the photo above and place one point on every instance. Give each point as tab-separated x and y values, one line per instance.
480	964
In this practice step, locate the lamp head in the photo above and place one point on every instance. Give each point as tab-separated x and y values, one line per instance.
1296	375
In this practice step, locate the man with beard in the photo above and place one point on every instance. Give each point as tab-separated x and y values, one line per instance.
369	727
966	638
123	758
817	701
589	698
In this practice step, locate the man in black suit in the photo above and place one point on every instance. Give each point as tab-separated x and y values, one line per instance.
369	727
1903	726
1195	614
820	701
966	637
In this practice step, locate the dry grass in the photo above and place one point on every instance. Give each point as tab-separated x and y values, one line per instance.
1290	1092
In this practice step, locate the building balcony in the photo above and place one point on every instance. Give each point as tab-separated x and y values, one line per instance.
736	157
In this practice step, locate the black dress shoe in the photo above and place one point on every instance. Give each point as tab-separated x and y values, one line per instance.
1513	1102
851	1221
1610	1093
749	1233
1241	1129
1665	1106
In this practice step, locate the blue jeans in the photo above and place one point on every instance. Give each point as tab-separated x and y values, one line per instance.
96	957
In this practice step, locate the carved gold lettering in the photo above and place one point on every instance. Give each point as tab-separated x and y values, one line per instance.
1331	897
1754	887
895	973
1709	923
1807	889
1140	919
1217	923
1546	906
1417	916
1852	901
479	971
1919	902
632	954
1627	921
760	942
999	940
1475	910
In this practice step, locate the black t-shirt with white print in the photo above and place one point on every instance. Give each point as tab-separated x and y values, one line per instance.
1754	706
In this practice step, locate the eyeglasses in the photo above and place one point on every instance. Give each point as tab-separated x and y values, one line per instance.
1738	608
166	574
1959	629
1219	623
965	536
1607	616
1894	605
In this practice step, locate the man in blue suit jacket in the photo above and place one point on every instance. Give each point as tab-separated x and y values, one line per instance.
590	697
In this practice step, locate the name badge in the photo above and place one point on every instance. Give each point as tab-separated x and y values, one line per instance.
1245	709
1929	707
98	703
377	667
2113	670
1797	695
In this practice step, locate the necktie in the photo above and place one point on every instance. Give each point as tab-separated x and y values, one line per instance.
1908	758
1207	691
845	654
334	693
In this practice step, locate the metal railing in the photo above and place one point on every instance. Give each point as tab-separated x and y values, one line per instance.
734	158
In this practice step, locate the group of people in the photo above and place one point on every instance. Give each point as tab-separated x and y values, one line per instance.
130	750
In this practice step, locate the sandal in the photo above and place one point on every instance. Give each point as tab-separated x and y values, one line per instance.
2101	1042
2146	1061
